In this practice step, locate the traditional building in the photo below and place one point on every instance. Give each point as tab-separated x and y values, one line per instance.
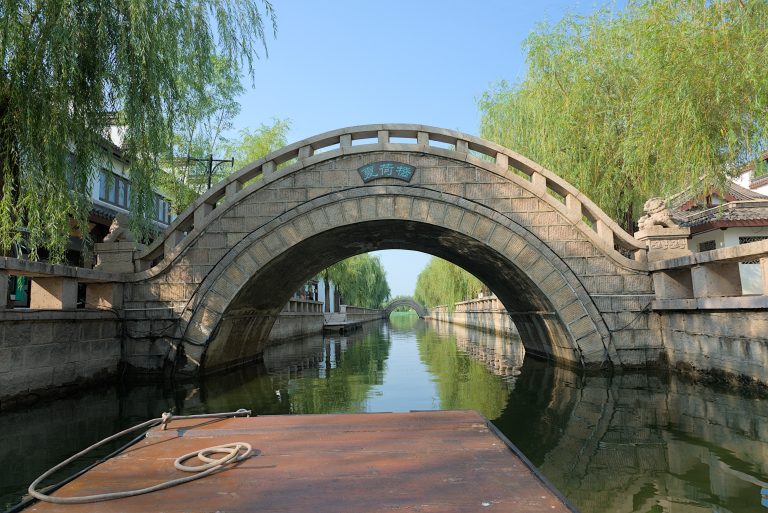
733	216
110	193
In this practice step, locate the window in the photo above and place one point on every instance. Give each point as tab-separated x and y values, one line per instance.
114	189
106	185
747	240
162	210
122	189
707	245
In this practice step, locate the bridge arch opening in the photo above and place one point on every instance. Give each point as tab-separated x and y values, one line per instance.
234	309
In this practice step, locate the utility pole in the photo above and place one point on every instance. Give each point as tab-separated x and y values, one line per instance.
211	167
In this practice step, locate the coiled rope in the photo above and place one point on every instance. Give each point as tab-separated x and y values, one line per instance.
232	455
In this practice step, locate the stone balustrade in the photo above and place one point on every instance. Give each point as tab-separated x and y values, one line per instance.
709	280
484	304
55	287
395	137
303	306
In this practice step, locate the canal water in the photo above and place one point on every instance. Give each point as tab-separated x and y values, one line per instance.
632	442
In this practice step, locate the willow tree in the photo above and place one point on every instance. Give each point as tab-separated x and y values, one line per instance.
640	102
72	68
443	283
200	125
185	180
253	144
360	279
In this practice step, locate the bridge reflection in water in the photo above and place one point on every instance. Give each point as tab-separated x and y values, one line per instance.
634	442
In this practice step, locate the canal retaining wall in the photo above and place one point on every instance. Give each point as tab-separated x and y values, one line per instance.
728	344
298	318
42	350
487	314
360	314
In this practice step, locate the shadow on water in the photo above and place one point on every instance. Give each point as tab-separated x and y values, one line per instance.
633	442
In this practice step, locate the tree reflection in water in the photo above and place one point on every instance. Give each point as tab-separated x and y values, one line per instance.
631	442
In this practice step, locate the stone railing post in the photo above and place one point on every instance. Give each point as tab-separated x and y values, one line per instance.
664	243
104	296
55	293
5	298
117	257
764	272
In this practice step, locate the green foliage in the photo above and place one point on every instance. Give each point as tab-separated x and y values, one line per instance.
403	321
68	66
205	113
186	180
360	279
761	168
642	102
443	283
252	145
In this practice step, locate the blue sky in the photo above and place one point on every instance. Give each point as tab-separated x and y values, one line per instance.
343	63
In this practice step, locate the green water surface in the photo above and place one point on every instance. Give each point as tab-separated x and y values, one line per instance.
632	442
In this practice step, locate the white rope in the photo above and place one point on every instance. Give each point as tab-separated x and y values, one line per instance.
210	465
231	452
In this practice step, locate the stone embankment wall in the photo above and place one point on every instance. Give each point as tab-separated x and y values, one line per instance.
728	344
42	350
298	318
731	344
359	314
707	322
486	314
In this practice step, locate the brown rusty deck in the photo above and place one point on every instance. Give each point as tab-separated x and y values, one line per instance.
421	461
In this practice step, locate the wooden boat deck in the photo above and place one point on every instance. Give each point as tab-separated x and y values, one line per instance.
446	461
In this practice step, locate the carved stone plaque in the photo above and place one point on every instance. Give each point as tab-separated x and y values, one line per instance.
386	169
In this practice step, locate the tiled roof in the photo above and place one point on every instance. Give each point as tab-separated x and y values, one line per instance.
684	200
735	213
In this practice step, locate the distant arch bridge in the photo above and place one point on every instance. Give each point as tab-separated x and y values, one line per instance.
417	307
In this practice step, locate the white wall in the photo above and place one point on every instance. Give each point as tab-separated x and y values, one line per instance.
744	180
751	277
321	293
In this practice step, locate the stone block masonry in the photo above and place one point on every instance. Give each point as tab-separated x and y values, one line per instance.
486	314
45	350
729	345
579	289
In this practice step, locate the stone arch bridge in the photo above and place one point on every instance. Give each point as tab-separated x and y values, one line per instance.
206	294
417	307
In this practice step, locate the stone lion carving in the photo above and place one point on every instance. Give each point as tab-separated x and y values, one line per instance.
118	230
656	214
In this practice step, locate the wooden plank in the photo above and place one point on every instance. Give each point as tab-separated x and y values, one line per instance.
447	461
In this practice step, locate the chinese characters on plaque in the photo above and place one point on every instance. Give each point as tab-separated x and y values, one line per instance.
386	169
